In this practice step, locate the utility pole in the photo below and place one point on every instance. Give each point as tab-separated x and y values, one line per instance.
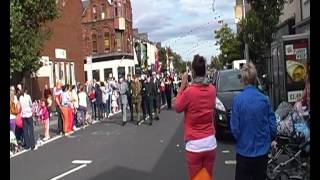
246	47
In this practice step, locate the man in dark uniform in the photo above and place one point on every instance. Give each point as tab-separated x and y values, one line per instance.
143	96
129	96
136	97
150	92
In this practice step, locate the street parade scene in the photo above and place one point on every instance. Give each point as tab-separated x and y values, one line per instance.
153	90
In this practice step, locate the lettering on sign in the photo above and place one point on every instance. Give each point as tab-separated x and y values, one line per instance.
293	96
301	53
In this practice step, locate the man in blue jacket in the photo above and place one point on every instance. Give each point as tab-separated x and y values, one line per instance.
253	125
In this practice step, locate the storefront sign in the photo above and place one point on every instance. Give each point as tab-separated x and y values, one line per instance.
61	53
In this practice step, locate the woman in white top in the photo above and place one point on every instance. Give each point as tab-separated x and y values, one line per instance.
26	114
105	97
82	105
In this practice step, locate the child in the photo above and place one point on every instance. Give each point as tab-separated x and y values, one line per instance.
114	102
44	118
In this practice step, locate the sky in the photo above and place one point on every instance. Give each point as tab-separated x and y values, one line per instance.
187	26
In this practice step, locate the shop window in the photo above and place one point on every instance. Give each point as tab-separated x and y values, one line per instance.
94	43
96	75
107	41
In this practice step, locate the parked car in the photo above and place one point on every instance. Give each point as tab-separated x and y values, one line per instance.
228	85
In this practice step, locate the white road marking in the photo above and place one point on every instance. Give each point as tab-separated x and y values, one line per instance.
230	162
225	151
84	164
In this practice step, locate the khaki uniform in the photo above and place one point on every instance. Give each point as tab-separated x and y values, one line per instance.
136	98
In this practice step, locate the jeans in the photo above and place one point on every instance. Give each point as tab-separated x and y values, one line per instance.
28	132
60	121
94	110
82	115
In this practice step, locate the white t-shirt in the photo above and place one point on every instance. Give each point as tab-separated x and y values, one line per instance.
201	145
82	99
26	106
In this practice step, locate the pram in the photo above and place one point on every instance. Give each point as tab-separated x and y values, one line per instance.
289	155
14	147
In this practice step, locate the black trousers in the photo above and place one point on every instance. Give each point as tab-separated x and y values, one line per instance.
251	168
130	104
156	105
60	122
168	95
28	132
148	106
163	98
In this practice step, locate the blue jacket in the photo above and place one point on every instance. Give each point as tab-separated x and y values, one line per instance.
252	123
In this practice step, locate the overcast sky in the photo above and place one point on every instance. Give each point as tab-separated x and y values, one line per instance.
187	26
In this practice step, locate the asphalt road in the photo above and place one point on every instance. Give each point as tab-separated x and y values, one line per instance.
119	153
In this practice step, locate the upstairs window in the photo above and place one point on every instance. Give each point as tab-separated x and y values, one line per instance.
94	43
94	12
107	41
103	11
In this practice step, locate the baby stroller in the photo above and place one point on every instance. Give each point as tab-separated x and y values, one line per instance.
289	155
14	148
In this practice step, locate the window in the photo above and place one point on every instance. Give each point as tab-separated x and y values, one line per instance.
118	41
86	76
107	73
94	43
116	11
121	72
107	41
96	75
103	11
94	12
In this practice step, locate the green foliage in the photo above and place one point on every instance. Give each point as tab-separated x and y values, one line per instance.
230	45
27	34
259	25
178	64
215	63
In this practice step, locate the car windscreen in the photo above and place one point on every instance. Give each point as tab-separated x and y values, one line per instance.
229	81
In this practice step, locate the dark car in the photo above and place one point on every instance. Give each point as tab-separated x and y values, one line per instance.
228	85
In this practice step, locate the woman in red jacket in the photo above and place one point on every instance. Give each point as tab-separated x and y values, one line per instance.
197	101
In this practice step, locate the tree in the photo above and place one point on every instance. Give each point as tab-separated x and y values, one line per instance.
230	45
215	63
27	34
259	25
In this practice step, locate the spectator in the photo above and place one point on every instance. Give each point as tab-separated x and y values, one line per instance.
114	103
92	98
253	125
75	101
105	98
163	94
197	102
66	110
57	92
44	119
82	105
46	92
98	100
26	114
13	109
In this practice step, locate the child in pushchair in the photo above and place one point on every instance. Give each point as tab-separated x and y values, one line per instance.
14	148
290	150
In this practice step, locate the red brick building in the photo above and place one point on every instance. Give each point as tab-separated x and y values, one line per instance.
63	53
108	38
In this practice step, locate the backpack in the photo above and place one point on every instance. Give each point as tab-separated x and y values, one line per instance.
13	108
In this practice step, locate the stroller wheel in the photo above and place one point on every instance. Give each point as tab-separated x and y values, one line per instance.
283	176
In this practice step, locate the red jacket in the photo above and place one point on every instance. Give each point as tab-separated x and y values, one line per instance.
198	102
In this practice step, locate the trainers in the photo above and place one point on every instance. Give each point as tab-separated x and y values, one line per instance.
46	138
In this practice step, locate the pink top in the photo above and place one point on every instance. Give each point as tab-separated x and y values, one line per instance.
44	113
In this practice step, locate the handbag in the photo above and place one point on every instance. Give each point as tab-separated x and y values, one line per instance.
19	123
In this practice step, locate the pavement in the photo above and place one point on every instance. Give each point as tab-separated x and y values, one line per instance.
106	150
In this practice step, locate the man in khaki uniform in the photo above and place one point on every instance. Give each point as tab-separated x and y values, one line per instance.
136	97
